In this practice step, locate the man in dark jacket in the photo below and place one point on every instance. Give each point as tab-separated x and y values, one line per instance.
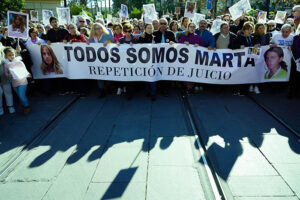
164	36
225	38
294	89
56	34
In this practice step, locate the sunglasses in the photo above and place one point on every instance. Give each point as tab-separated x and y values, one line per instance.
81	21
163	23
129	31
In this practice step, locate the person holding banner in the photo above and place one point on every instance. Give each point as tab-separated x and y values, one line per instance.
164	36
206	35
196	40
147	37
56	34
127	39
99	34
285	38
117	30
260	36
245	39
294	89
224	39
34	39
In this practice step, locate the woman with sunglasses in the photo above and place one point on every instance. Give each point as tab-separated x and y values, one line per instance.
127	39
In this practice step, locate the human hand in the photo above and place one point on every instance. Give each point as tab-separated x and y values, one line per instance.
187	43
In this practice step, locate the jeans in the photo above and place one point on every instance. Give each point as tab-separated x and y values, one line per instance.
6	89
21	92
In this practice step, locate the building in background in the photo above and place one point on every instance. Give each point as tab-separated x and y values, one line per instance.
39	5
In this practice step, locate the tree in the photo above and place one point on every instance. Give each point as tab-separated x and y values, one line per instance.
13	5
77	10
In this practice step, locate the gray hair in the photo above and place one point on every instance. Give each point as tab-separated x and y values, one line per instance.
163	19
286	26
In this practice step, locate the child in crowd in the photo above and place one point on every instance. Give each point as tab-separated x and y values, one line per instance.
5	86
16	71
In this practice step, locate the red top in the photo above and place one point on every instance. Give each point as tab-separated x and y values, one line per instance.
76	38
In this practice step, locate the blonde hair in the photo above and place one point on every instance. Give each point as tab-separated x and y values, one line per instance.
55	64
77	32
92	33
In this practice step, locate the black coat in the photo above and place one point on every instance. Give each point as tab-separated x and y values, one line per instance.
232	37
260	41
57	36
169	36
147	39
241	40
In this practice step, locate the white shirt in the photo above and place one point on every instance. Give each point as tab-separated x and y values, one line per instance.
38	40
280	41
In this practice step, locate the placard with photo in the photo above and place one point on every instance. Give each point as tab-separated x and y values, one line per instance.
17	24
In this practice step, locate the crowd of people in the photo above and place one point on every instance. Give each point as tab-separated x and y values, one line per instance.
238	34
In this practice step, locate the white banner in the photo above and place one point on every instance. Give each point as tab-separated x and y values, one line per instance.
154	62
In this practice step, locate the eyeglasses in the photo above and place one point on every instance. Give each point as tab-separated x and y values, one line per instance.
81	21
226	20
192	26
129	31
163	23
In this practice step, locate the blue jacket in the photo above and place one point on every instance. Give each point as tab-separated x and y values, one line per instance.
207	37
105	37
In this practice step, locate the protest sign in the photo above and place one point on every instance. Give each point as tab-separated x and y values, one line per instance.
239	8
190	9
154	62
17	24
63	15
46	16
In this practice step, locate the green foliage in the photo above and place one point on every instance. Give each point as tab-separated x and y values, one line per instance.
77	10
251	13
135	13
13	5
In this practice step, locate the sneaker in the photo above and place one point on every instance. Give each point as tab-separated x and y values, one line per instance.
1	111
11	109
251	88
256	90
119	91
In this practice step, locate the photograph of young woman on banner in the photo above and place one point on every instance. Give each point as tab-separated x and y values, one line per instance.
49	64
276	67
17	25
